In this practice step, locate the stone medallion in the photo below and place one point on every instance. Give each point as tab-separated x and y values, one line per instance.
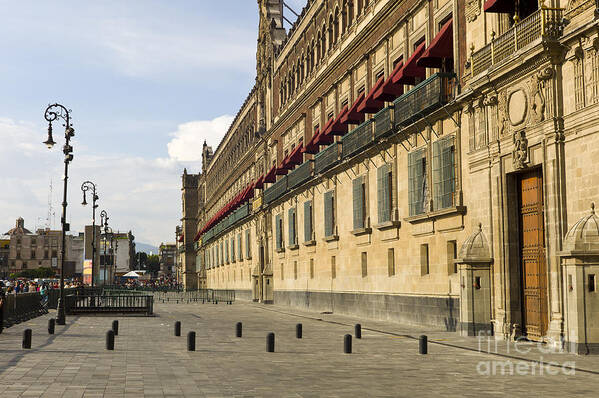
517	105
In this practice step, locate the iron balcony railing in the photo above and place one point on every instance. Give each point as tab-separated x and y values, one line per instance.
543	23
301	174
383	122
425	97
358	139
326	158
276	190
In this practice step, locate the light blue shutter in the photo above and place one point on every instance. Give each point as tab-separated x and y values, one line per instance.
328	213
417	187
233	249
239	247
307	221
358	199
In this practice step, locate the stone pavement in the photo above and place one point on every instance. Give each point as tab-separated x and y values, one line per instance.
149	360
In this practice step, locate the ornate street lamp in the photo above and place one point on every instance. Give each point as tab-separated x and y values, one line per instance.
90	186
104	222
52	113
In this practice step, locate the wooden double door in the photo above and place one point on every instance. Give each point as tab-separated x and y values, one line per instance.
532	255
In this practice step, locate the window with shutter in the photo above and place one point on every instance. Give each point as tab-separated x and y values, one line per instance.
359	203
239	247
307	221
226	251
248	246
417	189
329	209
383	178
232	249
291	221
444	173
278	234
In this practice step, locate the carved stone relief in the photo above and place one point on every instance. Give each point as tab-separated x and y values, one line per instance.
538	82
502	122
520	152
472	10
517	107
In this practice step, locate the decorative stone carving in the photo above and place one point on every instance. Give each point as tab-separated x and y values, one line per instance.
472	10
520	152
503	124
517	107
537	93
575	7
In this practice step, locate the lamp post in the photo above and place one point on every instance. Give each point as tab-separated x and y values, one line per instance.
52	113
104	222
90	186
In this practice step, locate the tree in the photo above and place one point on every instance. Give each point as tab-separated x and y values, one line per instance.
153	264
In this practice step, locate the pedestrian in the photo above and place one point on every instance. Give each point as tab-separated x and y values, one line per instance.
2	301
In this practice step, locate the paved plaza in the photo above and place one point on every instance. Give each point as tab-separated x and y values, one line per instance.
149	360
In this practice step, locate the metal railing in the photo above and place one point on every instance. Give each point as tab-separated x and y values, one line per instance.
383	122
276	190
78	304
358	139
301	174
200	295
326	158
425	97
543	23
22	307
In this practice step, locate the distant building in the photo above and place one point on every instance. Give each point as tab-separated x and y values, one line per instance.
167	253
27	250
116	255
4	250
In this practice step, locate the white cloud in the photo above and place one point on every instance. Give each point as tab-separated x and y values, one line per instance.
139	194
186	146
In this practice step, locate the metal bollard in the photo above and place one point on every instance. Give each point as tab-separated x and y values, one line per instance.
178	328
110	340
238	328
358	331
347	344
270	342
51	325
27	338
423	344
115	327
298	331
191	341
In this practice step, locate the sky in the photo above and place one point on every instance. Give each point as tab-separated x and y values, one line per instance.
147	81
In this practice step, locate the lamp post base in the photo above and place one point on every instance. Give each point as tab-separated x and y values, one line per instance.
60	316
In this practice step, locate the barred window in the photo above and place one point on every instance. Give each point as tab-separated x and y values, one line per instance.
226	251
239	247
291	220
595	82
390	262
308	229
329	213
417	189
384	182
444	173
578	83
233	249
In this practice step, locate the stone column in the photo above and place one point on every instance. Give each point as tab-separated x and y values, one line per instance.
475	285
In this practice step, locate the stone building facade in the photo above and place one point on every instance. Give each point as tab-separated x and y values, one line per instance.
426	162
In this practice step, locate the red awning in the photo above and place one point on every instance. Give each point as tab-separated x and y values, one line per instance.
295	157
271	176
389	90
283	168
312	146
370	105
324	138
441	48
410	71
353	116
338	128
248	193
259	184
500	6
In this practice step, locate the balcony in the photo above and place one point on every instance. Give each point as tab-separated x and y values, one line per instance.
276	190
425	97
301	174
326	158
358	139
383	123
544	23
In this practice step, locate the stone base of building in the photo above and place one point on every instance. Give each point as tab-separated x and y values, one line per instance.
245	295
581	348
436	312
476	329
